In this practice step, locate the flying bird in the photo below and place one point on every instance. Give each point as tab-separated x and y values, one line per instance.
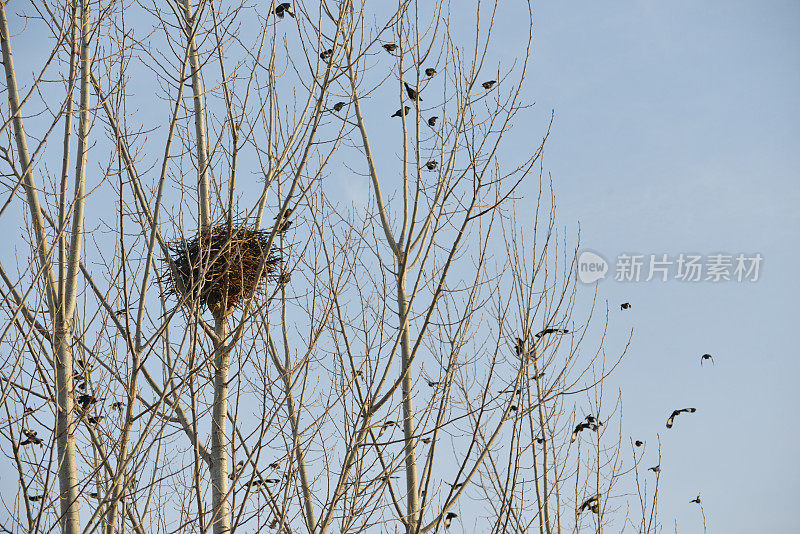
552	331
390	47
590	503
431	165
488	85
412	93
706	357
583	425
325	55
455	486
624	305
284	9
338	106
430	71
401	112
655	469
449	519
696	499
432	121
426	440
671	419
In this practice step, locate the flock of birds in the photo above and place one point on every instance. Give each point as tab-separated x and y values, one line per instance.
592	423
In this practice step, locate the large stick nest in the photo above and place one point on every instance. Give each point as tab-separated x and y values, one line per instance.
220	265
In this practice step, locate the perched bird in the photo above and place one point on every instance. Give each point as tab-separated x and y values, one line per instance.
580	427
455	486
271	480
671	419
384	426
386	478
696	499
432	121
513	408
539	440
93	495
706	357
34	498
274	465
431	165
325	55
81	385
85	400
284	225
286	214
590	503
488	85
431	383
359	373
284	9
236	469
426	440
412	93
624	305
94	420
117	406
449	519
390	47
401	112
430	71
30	438
552	331
28	433
638	443
655	469
338	106
520	347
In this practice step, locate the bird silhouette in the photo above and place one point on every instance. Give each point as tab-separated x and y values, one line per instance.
706	357
513	408
638	443
236	469
431	383
539	440
401	112
94	420
520	347
590	503
325	55
552	331
432	121
430	71
30	438
338	106
271	480
455	486
583	425
117	406
286	214
655	469
625	306
284	8
390	47
671	419
426	440
274	465
696	499
449	519
34	498
85	400
488	85
431	165
412	93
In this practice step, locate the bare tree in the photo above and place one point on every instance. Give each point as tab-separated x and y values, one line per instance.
350	366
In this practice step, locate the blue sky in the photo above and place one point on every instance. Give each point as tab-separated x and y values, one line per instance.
677	129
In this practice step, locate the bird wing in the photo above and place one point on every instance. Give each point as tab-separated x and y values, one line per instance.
670	420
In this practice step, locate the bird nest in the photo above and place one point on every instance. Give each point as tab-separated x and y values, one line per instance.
220	265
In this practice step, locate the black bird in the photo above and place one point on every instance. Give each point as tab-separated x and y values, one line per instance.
432	121
271	480
401	112
449	519
552	331
34	498
696	499
513	408
286	214
592	419
325	55
431	165
274	465
412	93
390	47
284	225
590	503
671	419
81	385
706	357
236	469
338	106
488	85
624	305
638	443
455	486
539	440
431	383
94	420
359	373
426	440
284	9
520	347
387	477
430	71
655	469
117	406
31	440
580	427
86	400
93	495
